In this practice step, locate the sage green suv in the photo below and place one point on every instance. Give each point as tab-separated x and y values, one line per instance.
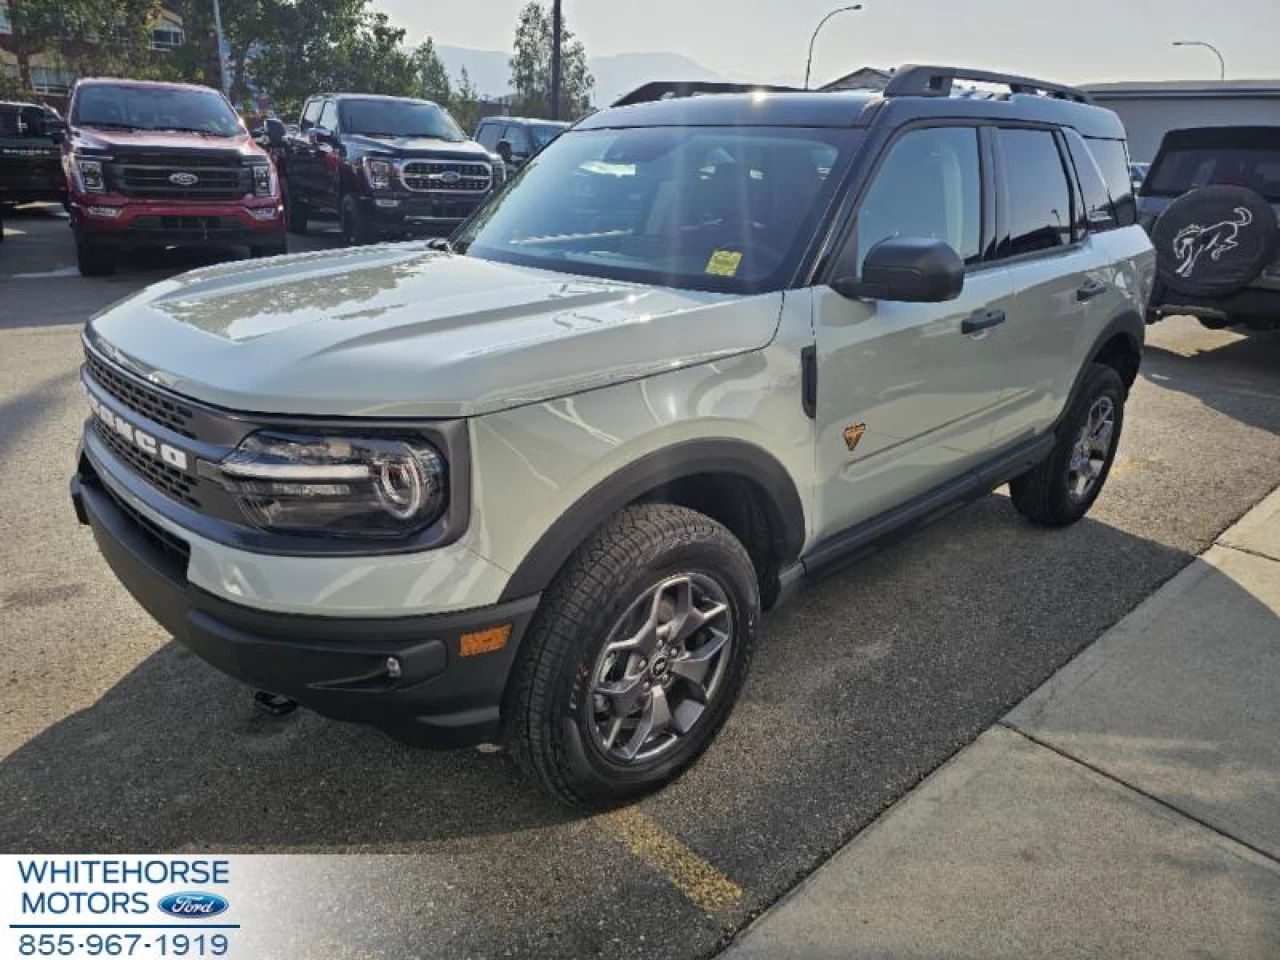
536	487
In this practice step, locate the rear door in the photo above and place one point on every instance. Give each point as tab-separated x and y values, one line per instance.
1059	272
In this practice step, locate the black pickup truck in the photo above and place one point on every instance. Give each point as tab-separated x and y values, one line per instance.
30	156
386	166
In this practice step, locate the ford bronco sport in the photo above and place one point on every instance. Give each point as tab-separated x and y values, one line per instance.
538	487
164	164
1212	205
386	166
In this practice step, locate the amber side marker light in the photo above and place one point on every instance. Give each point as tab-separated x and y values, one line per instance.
484	641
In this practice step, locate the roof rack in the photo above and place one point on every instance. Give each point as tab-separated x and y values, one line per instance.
671	89
918	81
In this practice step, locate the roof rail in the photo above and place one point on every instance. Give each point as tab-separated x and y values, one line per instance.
918	81
669	89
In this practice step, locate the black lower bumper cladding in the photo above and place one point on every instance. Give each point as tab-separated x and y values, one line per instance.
340	667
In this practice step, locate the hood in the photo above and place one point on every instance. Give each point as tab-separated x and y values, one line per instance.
95	139
420	147
403	330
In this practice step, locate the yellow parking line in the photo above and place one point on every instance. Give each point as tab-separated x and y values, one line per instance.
709	889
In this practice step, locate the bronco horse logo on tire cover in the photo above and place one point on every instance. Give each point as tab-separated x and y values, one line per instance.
1193	241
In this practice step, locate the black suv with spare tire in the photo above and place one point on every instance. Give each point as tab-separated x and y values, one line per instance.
1211	203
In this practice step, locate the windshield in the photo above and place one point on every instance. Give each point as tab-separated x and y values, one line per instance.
1247	160
544	133
398	118
705	208
155	108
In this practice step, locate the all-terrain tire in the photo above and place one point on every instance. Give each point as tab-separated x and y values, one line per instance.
1044	494
94	260
548	709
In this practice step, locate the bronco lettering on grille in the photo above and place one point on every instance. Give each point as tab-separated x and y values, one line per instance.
143	441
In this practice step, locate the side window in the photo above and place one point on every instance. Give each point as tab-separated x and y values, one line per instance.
518	137
1098	213
1037	208
310	114
329	115
929	185
488	135
1113	161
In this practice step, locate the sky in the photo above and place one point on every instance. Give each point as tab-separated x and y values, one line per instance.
1069	40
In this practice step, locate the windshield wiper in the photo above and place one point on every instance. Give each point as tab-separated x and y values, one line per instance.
110	125
203	133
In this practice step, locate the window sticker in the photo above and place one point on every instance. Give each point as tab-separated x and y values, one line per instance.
724	263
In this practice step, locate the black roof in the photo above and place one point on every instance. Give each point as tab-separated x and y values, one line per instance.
502	118
369	96
916	93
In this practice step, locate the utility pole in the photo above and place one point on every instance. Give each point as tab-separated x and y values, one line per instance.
224	78
556	60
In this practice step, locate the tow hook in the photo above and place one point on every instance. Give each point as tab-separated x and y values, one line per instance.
274	704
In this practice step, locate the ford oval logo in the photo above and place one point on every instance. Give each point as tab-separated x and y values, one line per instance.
193	906
450	176
183	179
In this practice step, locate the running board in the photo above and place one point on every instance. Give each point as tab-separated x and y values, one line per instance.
872	535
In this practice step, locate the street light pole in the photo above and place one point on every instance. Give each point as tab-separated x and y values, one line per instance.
222	49
1222	64
808	67
556	64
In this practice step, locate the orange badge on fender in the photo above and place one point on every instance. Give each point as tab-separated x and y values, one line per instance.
853	434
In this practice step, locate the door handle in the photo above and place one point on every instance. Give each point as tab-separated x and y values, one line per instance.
981	320
1094	288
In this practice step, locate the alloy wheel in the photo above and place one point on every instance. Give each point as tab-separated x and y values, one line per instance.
1092	447
660	668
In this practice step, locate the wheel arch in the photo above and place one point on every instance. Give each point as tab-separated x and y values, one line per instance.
1119	346
735	482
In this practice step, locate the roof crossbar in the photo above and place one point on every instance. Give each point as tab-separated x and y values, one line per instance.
920	81
669	89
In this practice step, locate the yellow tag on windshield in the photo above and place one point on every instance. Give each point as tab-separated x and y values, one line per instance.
724	263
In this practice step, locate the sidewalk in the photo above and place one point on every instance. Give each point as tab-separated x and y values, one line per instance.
1130	807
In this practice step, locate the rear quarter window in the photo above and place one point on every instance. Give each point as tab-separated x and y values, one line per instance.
1113	162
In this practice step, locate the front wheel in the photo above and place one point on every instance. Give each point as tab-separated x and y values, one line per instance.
1064	486
636	657
357	226
94	260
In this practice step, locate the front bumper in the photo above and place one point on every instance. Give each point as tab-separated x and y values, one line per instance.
336	666
141	222
421	213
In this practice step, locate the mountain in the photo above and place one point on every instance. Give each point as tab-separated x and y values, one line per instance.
614	75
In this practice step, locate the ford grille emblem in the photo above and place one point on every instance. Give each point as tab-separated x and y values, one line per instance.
183	179
450	176
193	906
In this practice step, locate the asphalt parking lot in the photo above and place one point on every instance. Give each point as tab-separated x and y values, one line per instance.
113	738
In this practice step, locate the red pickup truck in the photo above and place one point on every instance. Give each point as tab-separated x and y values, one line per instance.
164	164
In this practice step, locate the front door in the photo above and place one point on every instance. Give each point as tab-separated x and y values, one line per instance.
905	394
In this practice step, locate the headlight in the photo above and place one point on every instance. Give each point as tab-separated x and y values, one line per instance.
263	180
378	172
342	486
91	179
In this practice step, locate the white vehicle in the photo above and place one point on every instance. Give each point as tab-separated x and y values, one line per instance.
538	488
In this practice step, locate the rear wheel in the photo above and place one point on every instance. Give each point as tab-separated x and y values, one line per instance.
636	657
1064	486
94	260
357	226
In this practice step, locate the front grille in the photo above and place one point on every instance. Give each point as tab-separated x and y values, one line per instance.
423	175
166	479
146	175
148	403
175	548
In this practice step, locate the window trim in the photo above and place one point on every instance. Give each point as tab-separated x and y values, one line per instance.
1003	201
847	219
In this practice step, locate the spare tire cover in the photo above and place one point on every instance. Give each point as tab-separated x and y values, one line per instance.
1213	242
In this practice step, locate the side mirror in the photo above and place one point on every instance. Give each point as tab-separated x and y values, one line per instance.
53	128
275	131
504	150
319	134
906	269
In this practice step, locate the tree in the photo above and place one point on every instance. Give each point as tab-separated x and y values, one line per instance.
90	36
465	105
433	78
530	65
